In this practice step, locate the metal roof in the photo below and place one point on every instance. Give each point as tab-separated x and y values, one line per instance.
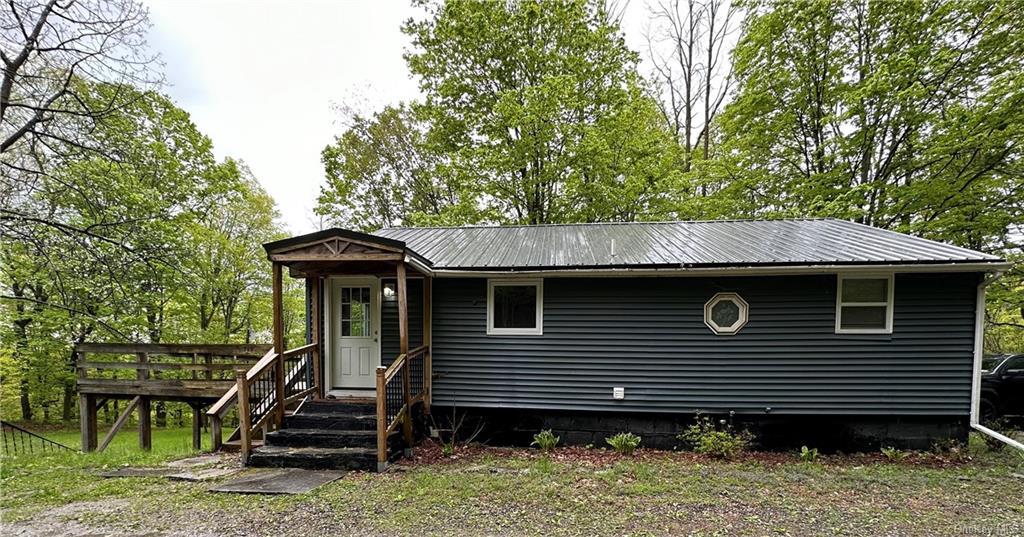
721	243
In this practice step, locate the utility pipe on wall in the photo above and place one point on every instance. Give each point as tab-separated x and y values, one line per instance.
979	351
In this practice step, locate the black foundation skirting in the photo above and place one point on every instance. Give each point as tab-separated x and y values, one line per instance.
513	427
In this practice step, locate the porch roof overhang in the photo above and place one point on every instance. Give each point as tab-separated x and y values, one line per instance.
342	251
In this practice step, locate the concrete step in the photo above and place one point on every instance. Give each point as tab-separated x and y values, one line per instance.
323	438
314	458
336	421
327	406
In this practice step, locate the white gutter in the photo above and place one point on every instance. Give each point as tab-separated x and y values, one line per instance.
729	271
979	351
419	266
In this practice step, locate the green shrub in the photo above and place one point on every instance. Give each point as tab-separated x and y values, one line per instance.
951	449
720	440
894	455
998	425
808	455
624	443
545	440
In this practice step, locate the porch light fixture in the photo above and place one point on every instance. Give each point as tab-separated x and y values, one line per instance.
726	313
390	294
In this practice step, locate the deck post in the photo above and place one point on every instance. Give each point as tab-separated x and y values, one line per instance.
314	323
216	435
87	418
86	410
428	283
197	426
403	349
279	345
145	424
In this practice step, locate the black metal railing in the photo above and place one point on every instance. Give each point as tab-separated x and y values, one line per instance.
394	397
19	441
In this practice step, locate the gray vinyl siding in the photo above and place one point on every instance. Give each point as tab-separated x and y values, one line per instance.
389	343
648	335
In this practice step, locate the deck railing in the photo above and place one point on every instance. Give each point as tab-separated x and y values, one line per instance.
263	392
400	386
144	372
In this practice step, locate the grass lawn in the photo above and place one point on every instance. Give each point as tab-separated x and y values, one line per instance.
572	491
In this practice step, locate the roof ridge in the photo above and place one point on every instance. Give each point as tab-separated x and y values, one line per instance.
658	222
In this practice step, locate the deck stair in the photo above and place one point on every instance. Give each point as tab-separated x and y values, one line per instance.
325	434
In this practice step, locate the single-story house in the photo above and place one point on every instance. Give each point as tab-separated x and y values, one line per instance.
809	331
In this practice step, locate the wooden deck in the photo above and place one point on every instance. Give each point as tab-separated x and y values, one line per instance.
196	374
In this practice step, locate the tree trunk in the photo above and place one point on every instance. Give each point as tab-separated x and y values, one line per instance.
26	405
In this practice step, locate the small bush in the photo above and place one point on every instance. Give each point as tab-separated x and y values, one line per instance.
894	455
721	441
951	449
624	443
545	440
808	455
998	425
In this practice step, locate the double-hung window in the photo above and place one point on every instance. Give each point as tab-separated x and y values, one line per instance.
515	307
864	304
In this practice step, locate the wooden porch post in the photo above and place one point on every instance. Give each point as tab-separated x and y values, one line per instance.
244	421
403	348
279	344
428	282
314	313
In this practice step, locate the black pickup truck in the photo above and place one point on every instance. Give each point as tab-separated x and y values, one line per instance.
1002	386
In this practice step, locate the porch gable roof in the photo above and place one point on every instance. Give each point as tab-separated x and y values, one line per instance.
336	244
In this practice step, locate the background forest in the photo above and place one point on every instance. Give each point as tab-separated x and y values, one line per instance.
119	224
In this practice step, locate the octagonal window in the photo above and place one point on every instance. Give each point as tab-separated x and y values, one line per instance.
725	313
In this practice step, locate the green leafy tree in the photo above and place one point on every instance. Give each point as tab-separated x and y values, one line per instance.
542	104
904	116
380	173
533	112
151	240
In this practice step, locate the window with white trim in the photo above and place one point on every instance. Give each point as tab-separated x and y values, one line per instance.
515	307
726	313
864	304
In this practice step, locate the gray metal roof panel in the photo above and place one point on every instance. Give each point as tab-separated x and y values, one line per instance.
697	243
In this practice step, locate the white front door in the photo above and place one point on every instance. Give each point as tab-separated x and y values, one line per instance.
354	333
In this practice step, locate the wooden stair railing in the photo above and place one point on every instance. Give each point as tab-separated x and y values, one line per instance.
258	395
400	386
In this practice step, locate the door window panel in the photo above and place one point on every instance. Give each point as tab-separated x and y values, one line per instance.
355	311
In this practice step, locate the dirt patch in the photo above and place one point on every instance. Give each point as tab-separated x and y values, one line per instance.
71	519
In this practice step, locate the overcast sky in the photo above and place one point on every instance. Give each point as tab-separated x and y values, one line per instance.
262	79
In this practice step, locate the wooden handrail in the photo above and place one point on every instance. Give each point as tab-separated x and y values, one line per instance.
174	349
264	409
386	423
394	368
152	366
299	350
221	407
257	368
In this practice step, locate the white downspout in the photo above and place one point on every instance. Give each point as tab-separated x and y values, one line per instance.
979	350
